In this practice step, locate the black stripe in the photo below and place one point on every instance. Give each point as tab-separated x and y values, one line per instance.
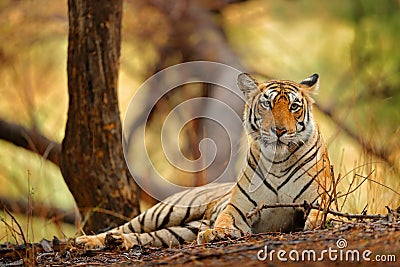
245	193
152	237
307	170
141	222
274	175
280	95
253	157
160	239
307	115
247	177
271	86
240	213
167	217
205	223
253	127
160	205
180	239
252	116
286	170
194	230
290	155
300	166
303	126
254	168
291	88
303	117
234	224
187	214
138	240
305	154
130	226
307	185
269	186
263	178
165	221
159	214
285	159
196	196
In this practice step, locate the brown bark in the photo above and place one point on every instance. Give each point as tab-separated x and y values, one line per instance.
93	163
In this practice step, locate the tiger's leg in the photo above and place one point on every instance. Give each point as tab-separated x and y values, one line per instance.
95	241
167	237
225	228
230	223
136	232
188	205
147	221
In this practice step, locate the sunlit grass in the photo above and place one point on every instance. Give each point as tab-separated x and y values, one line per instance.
34	229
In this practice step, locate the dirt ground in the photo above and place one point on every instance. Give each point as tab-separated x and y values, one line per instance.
366	243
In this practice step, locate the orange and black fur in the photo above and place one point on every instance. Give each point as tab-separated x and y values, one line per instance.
287	162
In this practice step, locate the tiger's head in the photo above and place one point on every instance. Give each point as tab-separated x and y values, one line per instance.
278	112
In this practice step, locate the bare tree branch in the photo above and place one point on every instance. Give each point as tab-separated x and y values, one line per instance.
217	5
40	210
30	140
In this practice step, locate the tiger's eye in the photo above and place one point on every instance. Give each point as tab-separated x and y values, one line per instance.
294	107
265	104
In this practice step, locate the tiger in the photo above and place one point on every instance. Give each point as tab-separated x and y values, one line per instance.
287	162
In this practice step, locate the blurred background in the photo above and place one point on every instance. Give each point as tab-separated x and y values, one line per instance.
352	45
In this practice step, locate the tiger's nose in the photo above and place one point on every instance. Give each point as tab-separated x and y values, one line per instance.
278	131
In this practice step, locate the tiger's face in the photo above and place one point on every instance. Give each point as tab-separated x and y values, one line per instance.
278	112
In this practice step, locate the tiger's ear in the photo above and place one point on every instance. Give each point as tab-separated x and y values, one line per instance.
247	83
311	84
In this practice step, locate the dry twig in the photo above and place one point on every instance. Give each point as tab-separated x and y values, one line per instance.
307	206
21	232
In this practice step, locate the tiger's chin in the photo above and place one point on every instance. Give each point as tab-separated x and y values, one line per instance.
280	148
274	150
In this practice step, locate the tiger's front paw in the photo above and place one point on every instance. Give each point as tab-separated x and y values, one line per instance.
217	234
90	241
120	240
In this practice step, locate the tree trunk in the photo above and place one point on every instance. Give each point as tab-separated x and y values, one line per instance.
92	160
